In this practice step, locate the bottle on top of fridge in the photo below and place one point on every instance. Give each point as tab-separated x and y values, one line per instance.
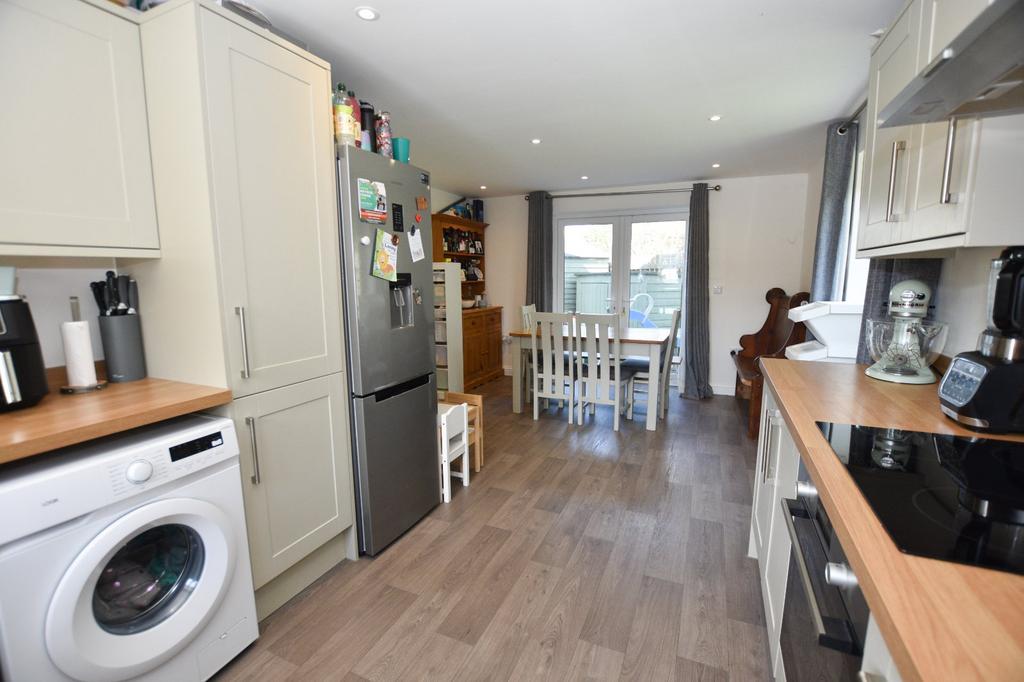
357	129
384	134
344	122
367	122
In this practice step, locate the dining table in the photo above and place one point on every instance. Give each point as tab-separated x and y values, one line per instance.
636	342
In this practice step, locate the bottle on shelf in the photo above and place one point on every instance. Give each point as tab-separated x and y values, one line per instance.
383	128
357	129
366	119
344	122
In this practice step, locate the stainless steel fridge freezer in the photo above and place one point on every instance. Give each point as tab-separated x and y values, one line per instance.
390	330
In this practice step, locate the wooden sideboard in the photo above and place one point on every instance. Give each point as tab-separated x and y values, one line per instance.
481	346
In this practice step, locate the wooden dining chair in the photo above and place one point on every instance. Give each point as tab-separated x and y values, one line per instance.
643	368
527	312
453	444
602	378
553	375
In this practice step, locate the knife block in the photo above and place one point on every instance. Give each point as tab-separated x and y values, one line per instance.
121	336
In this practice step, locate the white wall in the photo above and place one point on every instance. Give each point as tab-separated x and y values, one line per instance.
440	198
961	298
758	240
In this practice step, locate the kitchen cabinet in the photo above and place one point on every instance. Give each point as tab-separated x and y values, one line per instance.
939	185
274	207
247	292
75	173
294	444
481	346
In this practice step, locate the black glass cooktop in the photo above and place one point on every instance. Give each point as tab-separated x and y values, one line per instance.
940	496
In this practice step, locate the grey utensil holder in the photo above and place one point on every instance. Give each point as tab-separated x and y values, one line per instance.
122	347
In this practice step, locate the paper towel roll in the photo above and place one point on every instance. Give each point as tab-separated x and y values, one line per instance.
78	353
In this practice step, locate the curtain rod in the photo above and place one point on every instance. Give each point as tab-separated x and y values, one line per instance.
713	188
853	117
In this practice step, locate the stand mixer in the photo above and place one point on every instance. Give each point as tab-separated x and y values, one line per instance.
903	348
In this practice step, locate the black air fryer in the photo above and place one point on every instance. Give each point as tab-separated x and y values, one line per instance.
22	373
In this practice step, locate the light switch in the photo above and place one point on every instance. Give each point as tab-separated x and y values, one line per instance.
717	289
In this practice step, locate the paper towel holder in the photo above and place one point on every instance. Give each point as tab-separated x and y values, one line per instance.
88	388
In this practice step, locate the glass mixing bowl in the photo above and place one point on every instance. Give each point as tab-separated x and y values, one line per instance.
905	346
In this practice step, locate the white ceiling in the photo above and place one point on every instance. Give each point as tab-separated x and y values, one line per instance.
618	91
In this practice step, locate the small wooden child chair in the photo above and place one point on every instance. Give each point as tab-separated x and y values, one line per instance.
453	428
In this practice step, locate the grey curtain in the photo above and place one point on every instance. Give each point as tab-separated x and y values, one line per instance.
540	246
696	347
831	248
882	274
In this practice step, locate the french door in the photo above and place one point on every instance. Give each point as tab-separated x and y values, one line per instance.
629	265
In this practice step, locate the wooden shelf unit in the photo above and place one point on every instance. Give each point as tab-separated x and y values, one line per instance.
443	221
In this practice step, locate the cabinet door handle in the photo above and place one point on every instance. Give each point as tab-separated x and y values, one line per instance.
897	147
250	422
774	424
947	163
240	311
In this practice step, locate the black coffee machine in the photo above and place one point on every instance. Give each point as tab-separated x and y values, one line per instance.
984	389
22	372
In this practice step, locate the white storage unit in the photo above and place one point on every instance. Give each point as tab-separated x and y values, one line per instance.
249	286
448	327
75	173
939	185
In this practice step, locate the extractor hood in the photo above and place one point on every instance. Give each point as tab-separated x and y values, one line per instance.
981	73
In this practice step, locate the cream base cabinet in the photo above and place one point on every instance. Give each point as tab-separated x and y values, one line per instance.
296	471
75	174
274	200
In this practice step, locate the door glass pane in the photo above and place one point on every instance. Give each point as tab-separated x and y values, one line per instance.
148	579
655	272
587	287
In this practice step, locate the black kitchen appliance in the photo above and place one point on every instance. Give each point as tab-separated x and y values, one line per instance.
984	389
941	496
22	372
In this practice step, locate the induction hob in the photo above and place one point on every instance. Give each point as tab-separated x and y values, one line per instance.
940	496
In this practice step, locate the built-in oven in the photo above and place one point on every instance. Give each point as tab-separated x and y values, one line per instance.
825	617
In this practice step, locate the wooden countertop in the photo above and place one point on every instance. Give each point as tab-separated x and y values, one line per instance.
940	620
61	420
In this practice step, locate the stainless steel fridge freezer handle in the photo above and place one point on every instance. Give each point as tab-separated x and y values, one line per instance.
240	311
250	422
9	379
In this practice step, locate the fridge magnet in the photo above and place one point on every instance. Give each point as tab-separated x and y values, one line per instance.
397	218
416	245
421	203
385	256
373	201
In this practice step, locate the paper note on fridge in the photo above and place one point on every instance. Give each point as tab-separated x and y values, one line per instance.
416	245
373	201
385	256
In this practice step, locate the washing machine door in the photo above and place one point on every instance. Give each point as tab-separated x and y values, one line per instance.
140	590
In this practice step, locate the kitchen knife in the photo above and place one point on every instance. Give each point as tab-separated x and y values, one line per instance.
97	292
122	294
111	292
133	297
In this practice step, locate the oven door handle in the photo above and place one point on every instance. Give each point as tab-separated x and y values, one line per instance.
833	633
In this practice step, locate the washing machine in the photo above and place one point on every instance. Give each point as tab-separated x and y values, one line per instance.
126	558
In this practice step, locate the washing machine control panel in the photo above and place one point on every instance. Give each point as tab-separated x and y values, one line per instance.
144	469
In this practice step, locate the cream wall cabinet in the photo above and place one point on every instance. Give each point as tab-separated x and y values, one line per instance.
272	161
296	471
939	185
75	174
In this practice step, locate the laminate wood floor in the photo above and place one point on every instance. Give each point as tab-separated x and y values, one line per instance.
576	554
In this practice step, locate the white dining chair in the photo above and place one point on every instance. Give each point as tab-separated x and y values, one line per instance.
642	367
527	312
453	444
553	376
602	378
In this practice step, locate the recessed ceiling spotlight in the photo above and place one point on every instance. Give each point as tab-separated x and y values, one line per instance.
535	140
483	186
367	13
584	177
715	165
714	117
